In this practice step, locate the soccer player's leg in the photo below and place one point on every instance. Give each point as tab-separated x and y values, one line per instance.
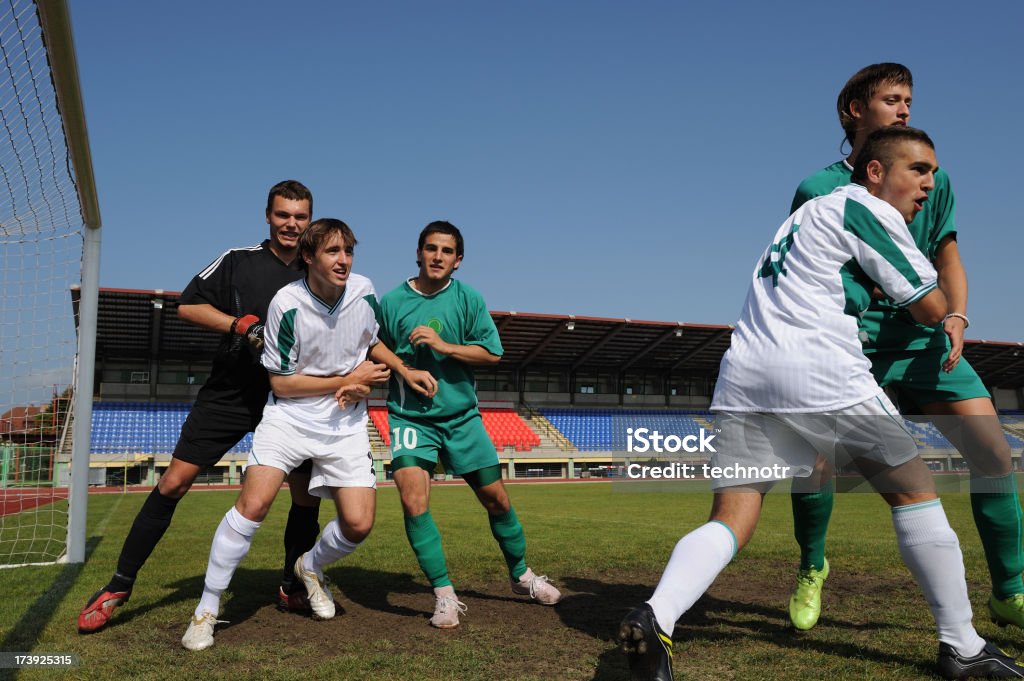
961	408
414	450
469	453
345	473
745	440
697	559
300	534
230	545
887	456
812	501
205	437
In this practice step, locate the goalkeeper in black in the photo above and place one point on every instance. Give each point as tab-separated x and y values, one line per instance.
231	297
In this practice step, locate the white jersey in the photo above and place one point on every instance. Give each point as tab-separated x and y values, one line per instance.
305	335
796	346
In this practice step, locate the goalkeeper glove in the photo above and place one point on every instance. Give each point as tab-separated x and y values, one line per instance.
251	327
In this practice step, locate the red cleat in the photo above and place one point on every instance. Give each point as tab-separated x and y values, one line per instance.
97	611
296	602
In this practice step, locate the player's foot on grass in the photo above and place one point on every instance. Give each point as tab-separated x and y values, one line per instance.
97	611
199	635
539	588
1007	610
805	603
648	648
990	663
447	608
293	602
321	601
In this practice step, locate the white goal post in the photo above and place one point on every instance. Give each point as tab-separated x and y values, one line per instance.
49	243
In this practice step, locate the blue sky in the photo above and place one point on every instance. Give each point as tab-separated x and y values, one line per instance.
602	158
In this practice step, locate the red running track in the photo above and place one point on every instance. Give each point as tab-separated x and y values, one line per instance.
23	499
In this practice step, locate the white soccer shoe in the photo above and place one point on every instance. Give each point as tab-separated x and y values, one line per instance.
199	635
321	600
447	608
539	588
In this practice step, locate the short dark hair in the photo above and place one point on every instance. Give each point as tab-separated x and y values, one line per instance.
442	227
863	85
881	146
319	231
290	189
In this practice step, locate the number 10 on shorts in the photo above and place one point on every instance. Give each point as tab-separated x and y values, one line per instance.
403	438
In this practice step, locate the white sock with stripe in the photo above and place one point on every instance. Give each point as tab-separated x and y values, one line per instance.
931	550
231	542
695	563
331	546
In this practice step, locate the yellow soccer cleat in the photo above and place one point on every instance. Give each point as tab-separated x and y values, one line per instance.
805	603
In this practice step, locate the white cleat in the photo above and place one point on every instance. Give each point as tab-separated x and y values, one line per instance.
199	635
321	600
539	588
447	609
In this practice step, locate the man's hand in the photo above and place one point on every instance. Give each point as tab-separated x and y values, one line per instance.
424	335
422	382
350	394
370	373
251	327
954	328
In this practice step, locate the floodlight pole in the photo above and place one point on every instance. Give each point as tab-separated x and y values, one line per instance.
55	20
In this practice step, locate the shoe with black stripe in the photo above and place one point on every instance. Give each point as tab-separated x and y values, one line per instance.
990	663
648	648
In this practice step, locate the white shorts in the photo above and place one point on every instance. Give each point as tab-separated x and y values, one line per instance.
338	460
754	447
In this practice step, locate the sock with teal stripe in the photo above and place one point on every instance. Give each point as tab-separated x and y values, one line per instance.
695	563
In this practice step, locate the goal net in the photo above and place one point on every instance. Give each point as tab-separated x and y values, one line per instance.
41	254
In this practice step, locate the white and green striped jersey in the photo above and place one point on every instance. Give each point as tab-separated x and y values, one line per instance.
305	335
796	346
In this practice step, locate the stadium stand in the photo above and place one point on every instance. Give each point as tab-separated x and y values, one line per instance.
142	427
504	425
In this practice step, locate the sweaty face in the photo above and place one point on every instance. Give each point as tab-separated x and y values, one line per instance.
288	219
331	265
909	178
890	105
437	258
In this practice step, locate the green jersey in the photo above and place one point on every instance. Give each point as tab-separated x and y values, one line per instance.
459	315
884	326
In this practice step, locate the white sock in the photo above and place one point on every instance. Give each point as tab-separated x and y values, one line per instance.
695	563
231	542
331	546
930	549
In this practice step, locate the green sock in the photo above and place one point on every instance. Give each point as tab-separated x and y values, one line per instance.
509	535
425	540
997	515
811	513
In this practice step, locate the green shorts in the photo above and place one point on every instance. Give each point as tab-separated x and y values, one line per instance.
461	443
918	378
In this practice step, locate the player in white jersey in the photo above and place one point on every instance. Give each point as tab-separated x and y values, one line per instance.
319	332
794	383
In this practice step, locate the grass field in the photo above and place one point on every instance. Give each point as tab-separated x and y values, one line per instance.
604	548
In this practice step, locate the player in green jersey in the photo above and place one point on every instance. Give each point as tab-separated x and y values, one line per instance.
440	325
923	364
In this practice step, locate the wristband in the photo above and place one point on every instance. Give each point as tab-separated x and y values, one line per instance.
967	322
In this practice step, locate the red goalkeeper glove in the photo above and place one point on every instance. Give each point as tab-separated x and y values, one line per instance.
251	327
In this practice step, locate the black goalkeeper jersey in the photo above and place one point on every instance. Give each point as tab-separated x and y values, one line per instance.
240	282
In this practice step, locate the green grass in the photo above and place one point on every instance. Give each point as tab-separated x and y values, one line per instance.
604	548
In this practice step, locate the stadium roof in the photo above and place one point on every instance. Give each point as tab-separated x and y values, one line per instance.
144	325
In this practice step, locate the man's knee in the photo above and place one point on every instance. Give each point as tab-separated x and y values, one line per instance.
175	484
